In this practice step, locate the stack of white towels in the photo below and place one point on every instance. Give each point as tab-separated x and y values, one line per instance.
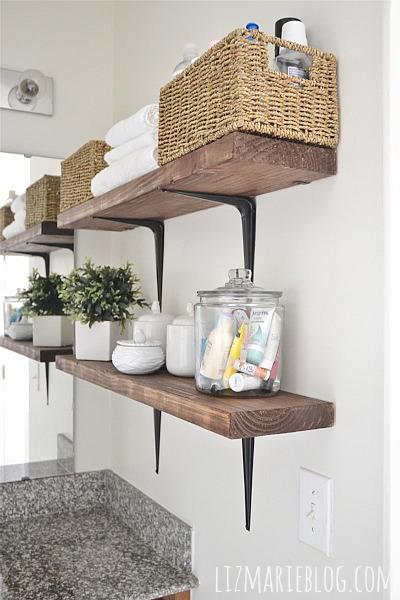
134	153
18	207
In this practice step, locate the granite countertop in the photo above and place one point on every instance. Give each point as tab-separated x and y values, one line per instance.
89	536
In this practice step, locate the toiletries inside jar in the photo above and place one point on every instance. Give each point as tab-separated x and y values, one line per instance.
253	370
234	353
263	370
289	61
239	382
190	54
222	324
260	323
218	345
274	339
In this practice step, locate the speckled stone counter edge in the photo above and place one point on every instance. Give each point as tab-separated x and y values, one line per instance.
167	535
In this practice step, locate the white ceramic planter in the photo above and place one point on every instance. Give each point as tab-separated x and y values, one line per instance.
52	331
96	342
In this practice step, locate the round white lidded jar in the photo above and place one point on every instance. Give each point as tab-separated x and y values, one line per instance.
139	356
238	338
154	324
180	345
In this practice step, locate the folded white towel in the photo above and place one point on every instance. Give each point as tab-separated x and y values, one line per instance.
20	216
13	229
19	203
144	119
124	170
147	139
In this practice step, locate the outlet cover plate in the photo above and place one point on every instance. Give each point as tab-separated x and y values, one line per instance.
315	510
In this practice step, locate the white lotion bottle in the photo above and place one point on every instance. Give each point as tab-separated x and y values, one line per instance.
218	344
289	61
272	346
239	382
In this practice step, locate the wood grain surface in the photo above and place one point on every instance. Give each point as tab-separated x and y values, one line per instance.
233	418
36	239
38	353
239	163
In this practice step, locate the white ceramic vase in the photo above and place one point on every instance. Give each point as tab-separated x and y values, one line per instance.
52	331
96	342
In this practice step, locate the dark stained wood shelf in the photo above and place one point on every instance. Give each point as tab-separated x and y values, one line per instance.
39	353
237	164
41	239
232	418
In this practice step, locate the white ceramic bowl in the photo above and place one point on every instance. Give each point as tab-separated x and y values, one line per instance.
20	331
138	358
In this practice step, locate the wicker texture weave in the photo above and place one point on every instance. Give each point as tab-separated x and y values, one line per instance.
6	218
231	87
78	170
43	200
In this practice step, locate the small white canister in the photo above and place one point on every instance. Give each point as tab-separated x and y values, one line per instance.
181	346
154	324
138	356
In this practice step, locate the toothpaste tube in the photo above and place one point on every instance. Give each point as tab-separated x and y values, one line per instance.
253	370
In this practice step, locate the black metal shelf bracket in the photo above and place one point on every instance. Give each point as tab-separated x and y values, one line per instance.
158	229
47	369
248	462
157	436
247	208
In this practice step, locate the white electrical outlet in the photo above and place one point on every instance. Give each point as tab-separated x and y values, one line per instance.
315	513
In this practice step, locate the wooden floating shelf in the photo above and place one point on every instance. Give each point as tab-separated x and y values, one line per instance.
39	239
238	164
232	418
39	353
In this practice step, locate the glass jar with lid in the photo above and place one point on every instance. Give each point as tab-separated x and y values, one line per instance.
238	331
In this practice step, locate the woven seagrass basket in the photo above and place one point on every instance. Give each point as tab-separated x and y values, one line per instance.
43	200
78	170
232	87
6	218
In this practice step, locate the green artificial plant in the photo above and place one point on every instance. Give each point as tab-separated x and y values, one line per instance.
93	294
42	296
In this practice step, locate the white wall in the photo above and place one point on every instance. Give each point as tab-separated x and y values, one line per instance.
392	295
71	42
321	245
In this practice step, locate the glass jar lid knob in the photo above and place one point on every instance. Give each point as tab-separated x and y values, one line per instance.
239	277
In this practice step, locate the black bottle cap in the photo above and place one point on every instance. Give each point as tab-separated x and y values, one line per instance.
278	29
